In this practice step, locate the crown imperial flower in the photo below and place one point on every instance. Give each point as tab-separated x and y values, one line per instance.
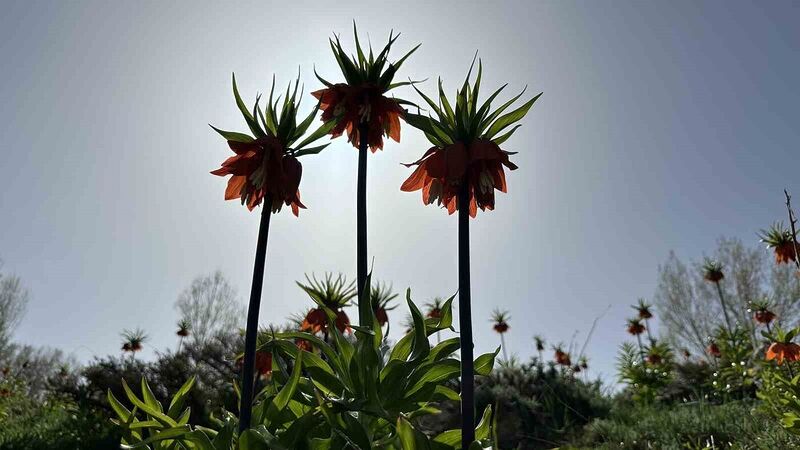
266	166
359	105
466	149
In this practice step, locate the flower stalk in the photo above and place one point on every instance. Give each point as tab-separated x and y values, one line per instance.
724	307
712	272
465	322
361	216
265	169
253	307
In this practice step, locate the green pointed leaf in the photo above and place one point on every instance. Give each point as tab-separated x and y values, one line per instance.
504	137
508	119
400	61
146	424
361	59
149	398
410	437
444	349
318	133
287	391
445	393
435	373
179	398
248	117
473	106
485	363
420	346
165	434
310	150
450	437
122	412
156	414
233	136
430	102
483	430
303	126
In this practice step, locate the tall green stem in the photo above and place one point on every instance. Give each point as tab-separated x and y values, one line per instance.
724	308
361	214
251	333
503	344
465	322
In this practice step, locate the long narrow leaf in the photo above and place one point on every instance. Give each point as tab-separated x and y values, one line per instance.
508	119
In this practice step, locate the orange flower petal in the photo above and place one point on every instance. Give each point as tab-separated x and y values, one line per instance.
235	185
416	181
473	207
393	130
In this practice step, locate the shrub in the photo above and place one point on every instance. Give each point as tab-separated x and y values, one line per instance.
537	406
736	424
50	422
211	363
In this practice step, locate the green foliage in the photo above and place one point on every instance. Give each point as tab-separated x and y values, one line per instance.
538	406
691	381
645	378
735	373
329	292
280	123
467	121
362	68
779	387
734	425
210	363
779	392
351	394
49	422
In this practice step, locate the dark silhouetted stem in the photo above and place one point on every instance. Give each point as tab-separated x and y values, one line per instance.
251	333
724	309
641	349
465	321
361	214
647	328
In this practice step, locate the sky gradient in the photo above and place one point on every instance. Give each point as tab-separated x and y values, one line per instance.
662	126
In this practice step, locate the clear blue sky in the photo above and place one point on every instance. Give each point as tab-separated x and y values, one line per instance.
662	126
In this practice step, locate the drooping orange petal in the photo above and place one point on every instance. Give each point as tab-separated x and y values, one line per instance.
416	181
325	96
426	191
499	177
221	172
427	153
775	351
235	185
473	207
451	205
393	127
